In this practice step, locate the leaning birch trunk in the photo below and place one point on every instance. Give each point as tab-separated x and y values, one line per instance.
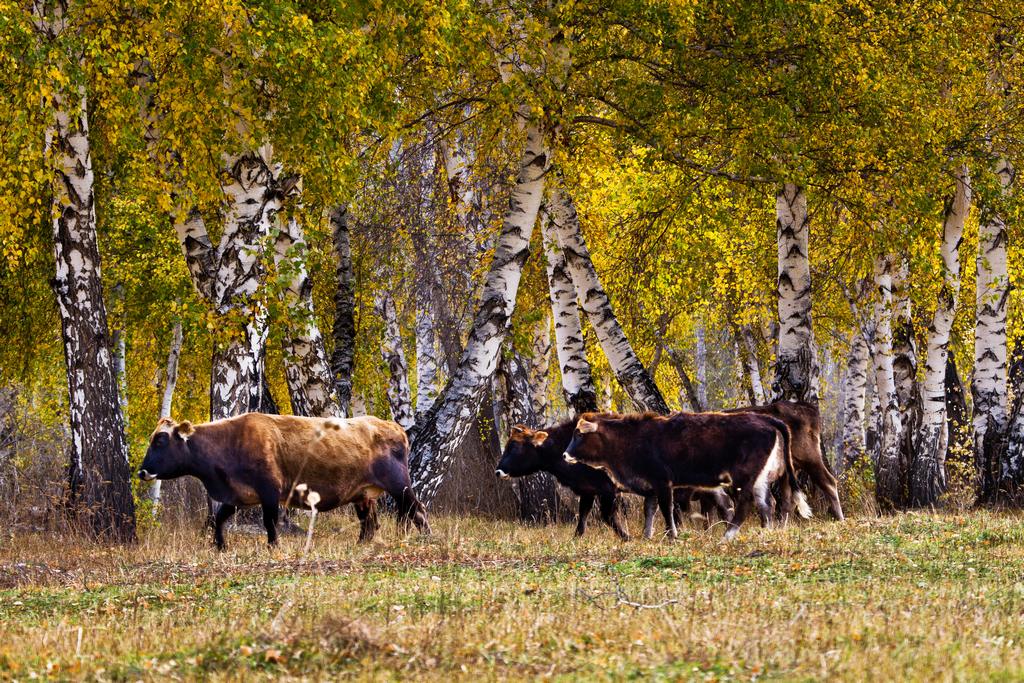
445	426
99	478
344	332
853	443
306	368
927	479
167	399
577	382
624	362
888	465
393	353
796	364
989	388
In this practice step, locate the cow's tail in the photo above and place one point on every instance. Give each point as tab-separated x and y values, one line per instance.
803	508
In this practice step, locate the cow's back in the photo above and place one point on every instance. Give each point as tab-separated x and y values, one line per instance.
804	421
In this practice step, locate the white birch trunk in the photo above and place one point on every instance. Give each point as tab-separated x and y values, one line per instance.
700	358
393	353
888	465
928	477
624	362
167	398
989	388
344	331
427	370
443	429
753	366
307	370
577	382
539	366
796	364
99	477
853	441
904	345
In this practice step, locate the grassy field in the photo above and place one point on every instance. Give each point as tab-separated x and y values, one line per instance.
922	597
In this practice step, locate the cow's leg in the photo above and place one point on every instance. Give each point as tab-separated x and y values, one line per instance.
665	503
610	515
650	506
743	504
828	485
718	499
222	515
393	477
366	511
271	511
681	509
586	505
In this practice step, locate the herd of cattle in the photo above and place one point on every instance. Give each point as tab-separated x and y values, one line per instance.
725	461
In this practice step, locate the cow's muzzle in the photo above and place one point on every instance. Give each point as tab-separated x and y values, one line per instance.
502	474
146	476
569	459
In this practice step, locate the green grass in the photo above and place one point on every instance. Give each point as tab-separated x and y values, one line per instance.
919	597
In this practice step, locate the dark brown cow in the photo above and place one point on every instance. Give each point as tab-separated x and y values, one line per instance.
258	459
743	452
804	422
529	451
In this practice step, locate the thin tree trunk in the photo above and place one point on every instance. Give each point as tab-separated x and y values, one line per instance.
904	345
100	488
344	332
443	428
539	366
427	370
307	370
989	388
577	382
796	365
392	350
854	442
753	366
928	477
700	358
167	398
623	360
888	470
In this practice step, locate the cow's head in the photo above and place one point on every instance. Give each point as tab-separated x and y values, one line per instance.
168	453
522	455
585	446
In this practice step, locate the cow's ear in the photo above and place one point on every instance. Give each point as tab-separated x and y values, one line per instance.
165	422
184	430
586	426
538	438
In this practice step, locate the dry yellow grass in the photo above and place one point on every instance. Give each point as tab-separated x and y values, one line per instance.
913	597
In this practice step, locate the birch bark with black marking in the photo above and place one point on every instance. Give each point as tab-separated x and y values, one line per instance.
577	382
393	353
989	387
888	464
853	442
445	426
344	331
99	478
624	362
928	476
167	396
796	364
306	368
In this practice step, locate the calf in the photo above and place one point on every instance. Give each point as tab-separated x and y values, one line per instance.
259	459
529	451
804	422
744	452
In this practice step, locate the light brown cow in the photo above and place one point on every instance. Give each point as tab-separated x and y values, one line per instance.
259	459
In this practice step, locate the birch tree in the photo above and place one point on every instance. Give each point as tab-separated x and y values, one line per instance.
989	387
344	332
443	428
853	442
307	370
393	353
167	397
99	479
928	478
570	349
796	364
624	362
888	468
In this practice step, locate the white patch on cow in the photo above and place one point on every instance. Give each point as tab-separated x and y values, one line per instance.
769	473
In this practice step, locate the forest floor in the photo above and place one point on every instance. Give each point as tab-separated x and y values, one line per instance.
917	596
